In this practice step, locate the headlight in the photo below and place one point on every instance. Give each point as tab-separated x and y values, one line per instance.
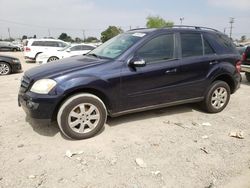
43	86
15	61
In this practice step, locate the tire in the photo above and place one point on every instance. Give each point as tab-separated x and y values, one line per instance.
5	68
216	97
81	116
53	58
247	76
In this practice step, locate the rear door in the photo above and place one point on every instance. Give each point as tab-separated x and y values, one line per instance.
197	59
157	82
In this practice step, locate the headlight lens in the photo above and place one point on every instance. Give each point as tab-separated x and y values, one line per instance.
43	86
15	61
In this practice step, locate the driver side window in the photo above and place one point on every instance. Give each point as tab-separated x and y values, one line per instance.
160	48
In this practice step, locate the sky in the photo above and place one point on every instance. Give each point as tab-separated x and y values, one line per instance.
77	18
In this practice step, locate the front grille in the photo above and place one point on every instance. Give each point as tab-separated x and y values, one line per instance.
25	83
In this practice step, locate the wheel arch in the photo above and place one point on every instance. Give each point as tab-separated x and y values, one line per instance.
92	91
228	79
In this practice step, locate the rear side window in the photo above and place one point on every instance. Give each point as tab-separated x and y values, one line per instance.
85	47
222	43
191	44
76	48
158	49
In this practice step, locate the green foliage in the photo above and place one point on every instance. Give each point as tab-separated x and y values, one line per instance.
91	39
158	22
110	32
65	37
243	38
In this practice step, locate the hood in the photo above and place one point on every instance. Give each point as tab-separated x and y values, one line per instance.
62	66
6	57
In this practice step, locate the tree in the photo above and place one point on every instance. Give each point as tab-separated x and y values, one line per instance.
91	39
243	38
65	37
158	22
110	32
24	37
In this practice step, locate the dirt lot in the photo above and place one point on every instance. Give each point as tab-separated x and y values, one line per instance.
177	148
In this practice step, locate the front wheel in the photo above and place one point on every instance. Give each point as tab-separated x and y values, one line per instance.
4	68
217	97
81	116
247	76
52	59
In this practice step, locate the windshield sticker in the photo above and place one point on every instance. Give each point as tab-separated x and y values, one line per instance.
139	34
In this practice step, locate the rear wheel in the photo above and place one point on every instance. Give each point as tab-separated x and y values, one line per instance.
217	97
4	68
53	59
81	116
247	76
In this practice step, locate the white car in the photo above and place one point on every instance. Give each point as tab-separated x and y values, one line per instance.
69	51
34	47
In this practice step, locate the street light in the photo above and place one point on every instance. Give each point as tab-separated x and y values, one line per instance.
181	19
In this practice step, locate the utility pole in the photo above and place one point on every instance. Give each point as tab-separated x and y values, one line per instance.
83	34
49	32
231	26
181	19
9	32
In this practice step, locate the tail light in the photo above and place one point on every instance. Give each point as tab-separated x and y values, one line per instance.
238	68
27	49
244	56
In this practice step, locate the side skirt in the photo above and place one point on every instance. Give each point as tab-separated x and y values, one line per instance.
194	100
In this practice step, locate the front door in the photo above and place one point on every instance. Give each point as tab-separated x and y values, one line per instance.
158	81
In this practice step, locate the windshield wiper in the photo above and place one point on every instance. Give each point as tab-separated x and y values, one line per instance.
94	55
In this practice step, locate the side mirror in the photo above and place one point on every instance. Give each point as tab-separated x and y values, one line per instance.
68	50
137	62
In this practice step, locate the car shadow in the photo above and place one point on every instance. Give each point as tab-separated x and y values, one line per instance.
167	111
43	128
49	129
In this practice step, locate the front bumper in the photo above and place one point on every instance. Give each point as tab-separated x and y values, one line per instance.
38	106
16	67
245	68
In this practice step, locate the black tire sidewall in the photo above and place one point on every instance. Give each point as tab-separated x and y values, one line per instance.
65	113
208	106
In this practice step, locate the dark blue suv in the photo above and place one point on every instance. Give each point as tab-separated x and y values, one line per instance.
138	70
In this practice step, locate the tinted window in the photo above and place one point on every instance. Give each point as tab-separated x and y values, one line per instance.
207	48
76	48
61	44
37	43
191	44
85	47
157	49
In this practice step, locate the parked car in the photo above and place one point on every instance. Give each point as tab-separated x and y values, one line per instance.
34	47
9	65
246	63
138	70
8	46
68	51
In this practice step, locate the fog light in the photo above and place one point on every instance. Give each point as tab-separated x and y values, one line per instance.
32	105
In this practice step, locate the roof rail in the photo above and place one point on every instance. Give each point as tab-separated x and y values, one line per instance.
182	26
193	27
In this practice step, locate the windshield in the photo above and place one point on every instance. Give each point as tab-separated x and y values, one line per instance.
117	45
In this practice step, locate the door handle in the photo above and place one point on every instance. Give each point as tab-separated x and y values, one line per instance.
213	62
171	71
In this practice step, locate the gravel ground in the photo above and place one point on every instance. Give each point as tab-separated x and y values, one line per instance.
171	147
